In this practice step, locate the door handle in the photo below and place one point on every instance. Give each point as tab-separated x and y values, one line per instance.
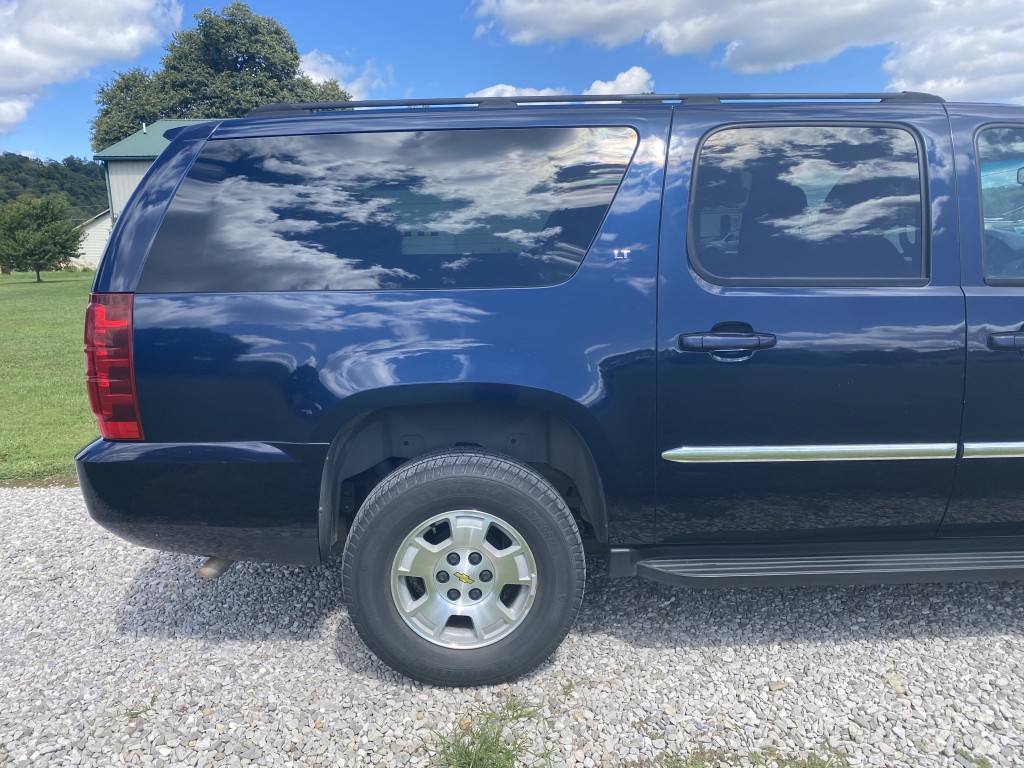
724	341
1010	341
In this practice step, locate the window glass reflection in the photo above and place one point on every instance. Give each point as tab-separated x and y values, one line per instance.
399	210
808	203
1001	164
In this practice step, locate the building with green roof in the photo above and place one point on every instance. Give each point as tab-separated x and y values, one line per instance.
127	161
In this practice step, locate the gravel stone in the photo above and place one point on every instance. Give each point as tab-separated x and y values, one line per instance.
115	655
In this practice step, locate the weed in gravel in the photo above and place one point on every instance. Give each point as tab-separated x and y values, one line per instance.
567	689
488	739
767	759
773	759
644	727
133	713
697	759
979	762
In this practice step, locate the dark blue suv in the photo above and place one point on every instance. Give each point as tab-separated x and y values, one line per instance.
453	342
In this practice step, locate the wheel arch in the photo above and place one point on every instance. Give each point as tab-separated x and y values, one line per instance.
551	433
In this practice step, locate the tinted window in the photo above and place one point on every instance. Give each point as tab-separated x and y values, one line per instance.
403	210
808	204
1001	163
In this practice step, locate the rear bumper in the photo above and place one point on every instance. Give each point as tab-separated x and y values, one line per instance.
244	501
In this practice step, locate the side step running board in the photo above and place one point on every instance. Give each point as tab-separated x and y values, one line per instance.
889	568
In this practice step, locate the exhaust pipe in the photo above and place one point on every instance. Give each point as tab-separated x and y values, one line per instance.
214	568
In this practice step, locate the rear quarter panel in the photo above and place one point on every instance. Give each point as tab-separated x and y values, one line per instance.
295	367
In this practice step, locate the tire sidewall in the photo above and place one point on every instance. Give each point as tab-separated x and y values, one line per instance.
389	519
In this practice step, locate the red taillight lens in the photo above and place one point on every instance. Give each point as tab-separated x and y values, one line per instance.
109	370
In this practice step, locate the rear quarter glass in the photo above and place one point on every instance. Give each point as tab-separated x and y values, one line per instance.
1000	168
480	208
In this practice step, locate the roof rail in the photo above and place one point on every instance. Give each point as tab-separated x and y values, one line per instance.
307	108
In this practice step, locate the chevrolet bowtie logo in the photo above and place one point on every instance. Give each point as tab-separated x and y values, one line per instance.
463	578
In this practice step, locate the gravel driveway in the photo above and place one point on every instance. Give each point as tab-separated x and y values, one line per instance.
111	654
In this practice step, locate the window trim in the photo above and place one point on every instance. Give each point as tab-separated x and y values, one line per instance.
817	282
627	167
993	281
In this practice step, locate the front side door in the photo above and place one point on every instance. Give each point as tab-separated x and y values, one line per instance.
989	495
810	379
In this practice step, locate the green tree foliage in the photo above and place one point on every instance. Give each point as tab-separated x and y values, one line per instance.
1004	202
80	180
126	102
36	234
233	60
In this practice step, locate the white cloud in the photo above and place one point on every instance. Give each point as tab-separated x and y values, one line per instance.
512	90
43	42
13	110
31	154
357	81
633	80
957	48
970	64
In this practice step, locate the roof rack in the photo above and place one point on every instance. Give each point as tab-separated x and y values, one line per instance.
308	108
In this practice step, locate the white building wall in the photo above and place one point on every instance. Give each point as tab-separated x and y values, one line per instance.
123	177
97	232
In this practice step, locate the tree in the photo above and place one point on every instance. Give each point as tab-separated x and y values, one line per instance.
127	101
80	180
36	233
232	61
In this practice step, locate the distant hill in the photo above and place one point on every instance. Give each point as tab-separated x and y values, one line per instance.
81	180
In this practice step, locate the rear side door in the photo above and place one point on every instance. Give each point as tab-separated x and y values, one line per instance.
810	381
989	495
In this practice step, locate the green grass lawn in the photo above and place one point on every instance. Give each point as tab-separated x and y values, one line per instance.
44	410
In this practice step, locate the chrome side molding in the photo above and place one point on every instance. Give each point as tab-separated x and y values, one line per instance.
994	450
752	453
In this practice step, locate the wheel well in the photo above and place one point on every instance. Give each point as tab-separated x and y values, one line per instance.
373	444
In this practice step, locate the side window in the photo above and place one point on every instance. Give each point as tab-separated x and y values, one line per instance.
1001	164
393	210
808	205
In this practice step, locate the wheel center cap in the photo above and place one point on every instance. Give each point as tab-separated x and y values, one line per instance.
466	578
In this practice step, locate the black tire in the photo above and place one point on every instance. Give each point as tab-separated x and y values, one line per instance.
496	488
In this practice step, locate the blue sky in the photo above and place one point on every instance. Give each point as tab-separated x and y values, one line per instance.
55	53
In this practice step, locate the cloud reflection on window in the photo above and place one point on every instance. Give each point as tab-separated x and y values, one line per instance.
370	211
808	203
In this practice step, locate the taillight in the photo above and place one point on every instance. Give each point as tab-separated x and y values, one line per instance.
109	369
